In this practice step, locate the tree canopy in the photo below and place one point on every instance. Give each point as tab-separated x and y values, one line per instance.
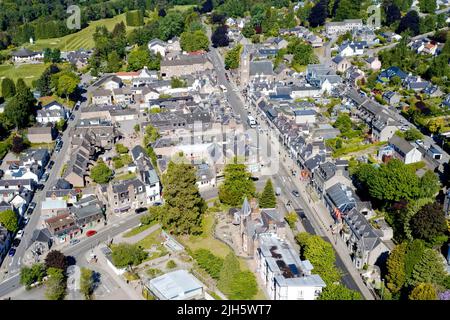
429	223
268	198
9	220
56	259
237	185
126	254
101	173
423	291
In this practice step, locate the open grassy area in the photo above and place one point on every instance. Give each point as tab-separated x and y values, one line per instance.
81	39
126	176
183	7
153	238
28	72
138	230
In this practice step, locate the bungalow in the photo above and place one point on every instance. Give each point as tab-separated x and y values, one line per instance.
350	49
24	55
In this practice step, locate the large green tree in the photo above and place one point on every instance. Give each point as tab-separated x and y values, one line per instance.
423	291
230	269
8	88
87	282
268	198
56	259
427	6
429	223
56	284
9	220
194	41
339	292
125	254
30	275
232	57
101	173
171	25
184	207
348	9
237	185
141	57
430	268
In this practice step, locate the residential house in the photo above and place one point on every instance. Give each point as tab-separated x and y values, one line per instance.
79	58
102	97
206	176
305	116
261	69
125	195
387	74
283	274
340	63
5	242
362	240
109	82
35	156
157	46
404	150
88	212
334	28
350	49
51	207
147	174
51	112
391	97
373	63
17	184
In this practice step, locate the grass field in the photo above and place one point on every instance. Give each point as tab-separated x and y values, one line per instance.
28	72
183	7
81	39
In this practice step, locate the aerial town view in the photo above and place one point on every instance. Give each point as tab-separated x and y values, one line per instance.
225	150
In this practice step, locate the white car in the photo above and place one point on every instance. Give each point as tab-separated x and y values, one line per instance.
19	234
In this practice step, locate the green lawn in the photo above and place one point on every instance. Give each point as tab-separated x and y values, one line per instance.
183	7
126	176
138	230
153	238
28	72
81	39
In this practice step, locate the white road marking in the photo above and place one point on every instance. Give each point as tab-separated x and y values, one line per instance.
18	262
115	225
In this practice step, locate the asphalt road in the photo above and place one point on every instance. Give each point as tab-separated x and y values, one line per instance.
282	179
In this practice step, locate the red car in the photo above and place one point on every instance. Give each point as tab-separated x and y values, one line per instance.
90	233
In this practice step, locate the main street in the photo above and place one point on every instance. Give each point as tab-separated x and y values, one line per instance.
351	276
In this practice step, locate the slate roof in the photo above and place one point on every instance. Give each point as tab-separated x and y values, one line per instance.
261	68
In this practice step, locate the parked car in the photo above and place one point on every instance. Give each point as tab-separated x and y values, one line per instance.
74	241
157	204
301	214
140	210
32	205
25	221
90	233
44	177
50	164
16	243
19	234
29	211
296	193
40	186
72	117
12	252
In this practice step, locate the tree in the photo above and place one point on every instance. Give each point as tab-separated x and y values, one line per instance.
125	255
237	185
101	173
151	134
430	268
427	6
44	83
183	204
339	292
321	255
318	14
9	220
423	291
171	25
56	259
343	123
56	284
19	109
114	62
268	198
66	84
243	286
348	9
233	57
396	274
409	22
87	282
393	14
177	83
429	223
291	219
429	185
194	41
248	30
230	269
413	134
207	6
137	128
120	148
139	58
18	144
171	264
8	88
414	254
30	275
219	37
302	51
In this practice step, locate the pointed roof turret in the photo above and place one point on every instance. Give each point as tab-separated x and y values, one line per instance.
246	209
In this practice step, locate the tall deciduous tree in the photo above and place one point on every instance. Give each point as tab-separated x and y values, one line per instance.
194	41
237	185
429	223
171	25
126	254
427	6
9	220
409	22
232	57
56	259
56	284
430	268
219	37
101	173
268	198
318	14
339	292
